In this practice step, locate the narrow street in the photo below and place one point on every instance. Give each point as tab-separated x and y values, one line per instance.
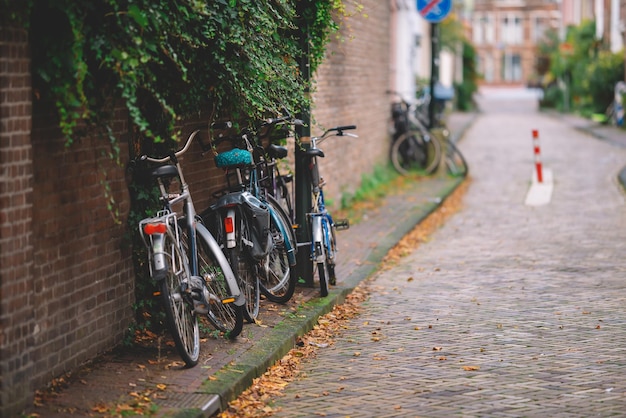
509	309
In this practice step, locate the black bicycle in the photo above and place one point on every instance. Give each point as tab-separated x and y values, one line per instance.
255	233
413	148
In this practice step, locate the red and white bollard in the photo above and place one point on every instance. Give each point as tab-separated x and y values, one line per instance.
537	151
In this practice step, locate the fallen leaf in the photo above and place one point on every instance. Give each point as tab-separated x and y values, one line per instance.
437	348
471	368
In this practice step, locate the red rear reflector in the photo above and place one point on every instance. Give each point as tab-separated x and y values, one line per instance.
150	229
228	225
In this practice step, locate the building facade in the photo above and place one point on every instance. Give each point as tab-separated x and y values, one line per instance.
505	34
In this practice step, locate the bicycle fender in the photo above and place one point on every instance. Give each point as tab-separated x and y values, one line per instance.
290	250
221	258
317	235
159	261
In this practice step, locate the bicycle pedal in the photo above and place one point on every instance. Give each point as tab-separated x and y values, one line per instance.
341	224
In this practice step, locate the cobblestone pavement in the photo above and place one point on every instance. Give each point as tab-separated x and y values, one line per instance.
509	310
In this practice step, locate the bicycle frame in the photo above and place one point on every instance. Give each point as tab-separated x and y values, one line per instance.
171	219
321	225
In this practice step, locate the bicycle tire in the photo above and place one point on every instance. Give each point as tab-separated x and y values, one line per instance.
182	321
413	152
456	165
226	317
245	270
283	198
322	275
320	266
277	280
331	252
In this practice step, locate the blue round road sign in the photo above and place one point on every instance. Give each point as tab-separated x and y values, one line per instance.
434	10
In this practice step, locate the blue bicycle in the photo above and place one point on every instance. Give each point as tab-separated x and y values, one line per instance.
322	227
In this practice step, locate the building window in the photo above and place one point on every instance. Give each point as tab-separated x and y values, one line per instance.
512	31
540	26
483	30
511	67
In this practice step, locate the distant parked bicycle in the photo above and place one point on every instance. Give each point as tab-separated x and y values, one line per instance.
452	158
322	227
413	148
185	260
434	144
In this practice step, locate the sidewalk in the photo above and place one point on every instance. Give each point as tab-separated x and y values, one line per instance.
127	377
609	133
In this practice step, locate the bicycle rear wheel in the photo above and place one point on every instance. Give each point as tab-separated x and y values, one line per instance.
277	281
226	317
455	162
414	152
245	271
177	303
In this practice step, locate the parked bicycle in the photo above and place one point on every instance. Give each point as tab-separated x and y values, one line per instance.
322	227
256	236
413	148
420	148
452	158
185	260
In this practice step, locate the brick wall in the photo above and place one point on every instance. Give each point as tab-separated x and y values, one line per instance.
66	273
17	319
351	89
83	274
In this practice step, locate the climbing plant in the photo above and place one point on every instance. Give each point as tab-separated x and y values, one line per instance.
165	60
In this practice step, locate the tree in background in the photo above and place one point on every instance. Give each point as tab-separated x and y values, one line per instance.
581	73
452	35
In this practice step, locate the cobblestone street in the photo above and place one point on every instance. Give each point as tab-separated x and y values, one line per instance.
508	310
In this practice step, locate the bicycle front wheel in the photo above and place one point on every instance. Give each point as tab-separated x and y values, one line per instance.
277	281
226	317
320	260
455	162
414	152
178	306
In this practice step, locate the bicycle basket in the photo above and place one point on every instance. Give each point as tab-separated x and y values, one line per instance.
397	110
233	158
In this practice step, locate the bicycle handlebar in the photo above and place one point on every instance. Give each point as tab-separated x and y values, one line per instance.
174	155
338	131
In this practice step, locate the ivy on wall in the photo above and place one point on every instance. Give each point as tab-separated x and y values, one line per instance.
166	60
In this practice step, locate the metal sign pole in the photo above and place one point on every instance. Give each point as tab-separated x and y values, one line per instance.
303	201
434	72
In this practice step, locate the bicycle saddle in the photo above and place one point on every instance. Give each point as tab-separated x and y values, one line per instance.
314	152
165	171
276	151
